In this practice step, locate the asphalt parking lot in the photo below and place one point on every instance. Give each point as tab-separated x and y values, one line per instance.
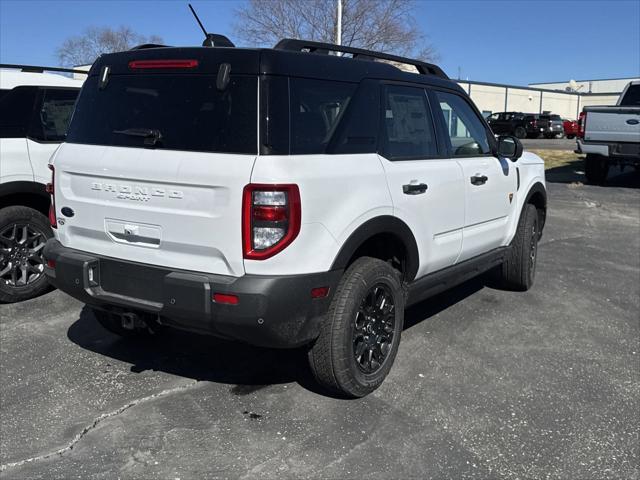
487	383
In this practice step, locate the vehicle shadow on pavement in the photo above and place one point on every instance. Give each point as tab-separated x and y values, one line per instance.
573	172
198	357
246	368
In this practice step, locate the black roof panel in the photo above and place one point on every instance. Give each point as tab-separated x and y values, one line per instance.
267	61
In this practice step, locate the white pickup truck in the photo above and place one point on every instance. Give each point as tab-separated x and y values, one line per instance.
611	135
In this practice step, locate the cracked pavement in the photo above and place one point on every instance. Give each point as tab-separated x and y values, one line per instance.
487	383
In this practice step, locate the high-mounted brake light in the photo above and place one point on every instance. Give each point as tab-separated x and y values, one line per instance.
50	189
271	216
159	64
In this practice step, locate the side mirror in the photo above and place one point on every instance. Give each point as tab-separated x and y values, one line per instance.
509	147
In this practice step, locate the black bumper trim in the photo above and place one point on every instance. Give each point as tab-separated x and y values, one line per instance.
273	311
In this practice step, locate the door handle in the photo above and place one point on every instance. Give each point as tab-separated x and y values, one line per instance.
478	179
414	188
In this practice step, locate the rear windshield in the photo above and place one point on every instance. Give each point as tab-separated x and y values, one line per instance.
174	112
632	97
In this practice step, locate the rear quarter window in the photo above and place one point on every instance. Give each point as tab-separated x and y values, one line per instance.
316	109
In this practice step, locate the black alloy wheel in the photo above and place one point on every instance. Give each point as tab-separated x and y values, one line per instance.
373	329
21	261
23	234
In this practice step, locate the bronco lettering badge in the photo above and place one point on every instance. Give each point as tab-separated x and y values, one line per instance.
137	192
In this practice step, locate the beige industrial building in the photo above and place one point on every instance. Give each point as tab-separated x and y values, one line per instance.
605	85
549	97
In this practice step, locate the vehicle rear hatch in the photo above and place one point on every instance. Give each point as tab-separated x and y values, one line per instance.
543	122
156	158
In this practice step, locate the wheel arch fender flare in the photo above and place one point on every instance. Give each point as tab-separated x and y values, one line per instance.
30	194
537	195
382	224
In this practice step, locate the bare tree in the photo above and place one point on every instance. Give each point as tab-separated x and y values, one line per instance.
383	25
85	48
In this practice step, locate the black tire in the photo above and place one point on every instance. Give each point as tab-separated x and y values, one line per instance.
520	132
519	268
347	329
571	136
113	323
23	233
596	169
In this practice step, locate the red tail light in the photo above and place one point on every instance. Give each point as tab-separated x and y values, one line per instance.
159	64
582	121
271	216
50	189
226	298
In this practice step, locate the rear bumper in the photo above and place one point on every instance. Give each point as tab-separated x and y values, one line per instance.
272	311
627	152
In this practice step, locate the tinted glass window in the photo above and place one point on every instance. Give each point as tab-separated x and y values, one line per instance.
408	127
317	107
3	92
187	112
632	97
358	129
54	113
466	131
16	110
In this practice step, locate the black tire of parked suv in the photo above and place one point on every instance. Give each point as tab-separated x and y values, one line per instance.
571	136
113	323
596	169
366	315
520	132
519	267
23	233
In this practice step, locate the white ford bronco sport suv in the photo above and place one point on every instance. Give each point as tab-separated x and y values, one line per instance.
284	197
35	109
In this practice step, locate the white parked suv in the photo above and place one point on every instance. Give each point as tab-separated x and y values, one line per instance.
35	109
285	197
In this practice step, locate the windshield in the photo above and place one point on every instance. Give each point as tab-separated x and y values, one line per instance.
176	112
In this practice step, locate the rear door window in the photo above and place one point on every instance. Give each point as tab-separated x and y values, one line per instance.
16	110
178	111
407	124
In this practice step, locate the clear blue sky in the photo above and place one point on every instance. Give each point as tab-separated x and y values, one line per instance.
509	41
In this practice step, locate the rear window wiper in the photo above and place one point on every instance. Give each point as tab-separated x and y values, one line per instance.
151	136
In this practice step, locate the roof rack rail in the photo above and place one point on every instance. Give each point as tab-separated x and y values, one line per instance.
144	46
359	53
37	69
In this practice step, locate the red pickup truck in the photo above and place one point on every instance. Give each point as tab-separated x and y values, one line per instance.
570	128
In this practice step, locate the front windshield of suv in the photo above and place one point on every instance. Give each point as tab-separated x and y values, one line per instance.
168	111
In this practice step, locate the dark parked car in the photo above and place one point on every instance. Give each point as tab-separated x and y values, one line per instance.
522	125
556	128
